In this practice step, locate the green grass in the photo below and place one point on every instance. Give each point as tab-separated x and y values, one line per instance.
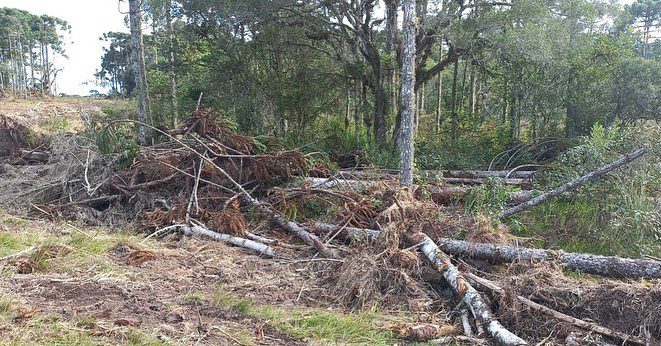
323	326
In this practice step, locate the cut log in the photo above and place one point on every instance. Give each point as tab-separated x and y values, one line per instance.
242	242
610	266
573	184
559	315
468	294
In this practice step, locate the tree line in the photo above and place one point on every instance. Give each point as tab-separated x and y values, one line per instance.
523	70
27	46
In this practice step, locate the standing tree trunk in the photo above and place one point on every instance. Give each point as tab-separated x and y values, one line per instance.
455	115
473	99
144	111
439	92
408	96
171	75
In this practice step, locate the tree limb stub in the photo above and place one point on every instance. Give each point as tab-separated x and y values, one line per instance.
623	160
468	294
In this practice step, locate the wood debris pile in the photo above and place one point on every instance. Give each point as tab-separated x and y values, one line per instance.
377	245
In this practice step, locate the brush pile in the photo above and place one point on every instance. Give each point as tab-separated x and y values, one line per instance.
206	179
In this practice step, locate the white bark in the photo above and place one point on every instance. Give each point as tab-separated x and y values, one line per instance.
586	263
407	150
245	243
469	295
610	266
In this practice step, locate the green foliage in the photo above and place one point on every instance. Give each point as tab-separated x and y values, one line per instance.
616	215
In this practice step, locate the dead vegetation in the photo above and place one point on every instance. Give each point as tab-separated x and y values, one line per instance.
203	176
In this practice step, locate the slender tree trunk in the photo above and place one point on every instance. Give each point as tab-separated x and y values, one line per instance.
391	31
47	77
421	106
506	104
570	121
31	65
171	75
380	111
473	98
439	93
408	96
455	115
348	110
144	111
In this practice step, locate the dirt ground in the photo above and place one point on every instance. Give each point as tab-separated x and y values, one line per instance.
187	291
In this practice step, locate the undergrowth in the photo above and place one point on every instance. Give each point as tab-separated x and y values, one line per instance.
616	215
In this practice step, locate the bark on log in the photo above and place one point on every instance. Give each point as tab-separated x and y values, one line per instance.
477	181
351	232
468	294
363	185
617	267
242	242
386	174
573	184
35	156
611	266
557	314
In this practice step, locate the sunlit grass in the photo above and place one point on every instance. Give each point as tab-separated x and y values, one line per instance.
314	325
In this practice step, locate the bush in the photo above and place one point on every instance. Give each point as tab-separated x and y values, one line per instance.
616	215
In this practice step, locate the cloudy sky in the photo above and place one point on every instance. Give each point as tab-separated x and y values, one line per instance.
89	19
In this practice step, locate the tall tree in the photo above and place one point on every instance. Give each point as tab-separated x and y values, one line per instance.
171	75
144	109
406	144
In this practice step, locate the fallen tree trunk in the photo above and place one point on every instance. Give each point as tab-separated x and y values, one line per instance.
611	266
363	185
387	174
242	242
617	267
557	314
573	184
468	294
478	181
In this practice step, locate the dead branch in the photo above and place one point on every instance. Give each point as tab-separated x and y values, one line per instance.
558	315
573	184
468	294
242	242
